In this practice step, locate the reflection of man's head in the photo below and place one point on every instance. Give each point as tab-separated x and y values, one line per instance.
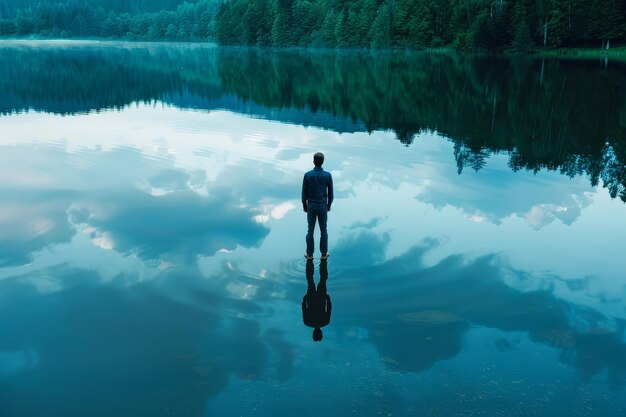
317	334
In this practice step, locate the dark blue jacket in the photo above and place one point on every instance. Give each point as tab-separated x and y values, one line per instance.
317	189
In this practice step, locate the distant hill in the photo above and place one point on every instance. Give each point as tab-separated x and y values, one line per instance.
176	20
8	8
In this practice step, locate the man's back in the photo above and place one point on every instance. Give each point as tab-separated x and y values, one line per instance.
317	188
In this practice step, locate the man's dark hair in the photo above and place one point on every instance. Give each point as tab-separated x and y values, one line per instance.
318	159
317	334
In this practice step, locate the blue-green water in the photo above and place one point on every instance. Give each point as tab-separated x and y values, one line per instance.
151	233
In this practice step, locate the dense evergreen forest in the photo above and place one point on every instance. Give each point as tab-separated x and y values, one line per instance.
461	24
173	20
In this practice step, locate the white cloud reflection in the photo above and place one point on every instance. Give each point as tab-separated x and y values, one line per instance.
415	191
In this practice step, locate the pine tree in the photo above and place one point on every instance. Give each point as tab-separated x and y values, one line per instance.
522	42
557	25
498	25
543	9
339	31
381	28
606	20
421	26
7	27
328	29
282	28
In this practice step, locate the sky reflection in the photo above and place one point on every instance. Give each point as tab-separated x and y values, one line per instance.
425	312
114	167
166	343
150	259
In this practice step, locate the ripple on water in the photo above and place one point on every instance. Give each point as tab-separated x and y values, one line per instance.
296	268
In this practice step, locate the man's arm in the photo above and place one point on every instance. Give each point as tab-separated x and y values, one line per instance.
331	195
329	307
305	193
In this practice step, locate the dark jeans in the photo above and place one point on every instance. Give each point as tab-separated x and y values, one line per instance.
321	215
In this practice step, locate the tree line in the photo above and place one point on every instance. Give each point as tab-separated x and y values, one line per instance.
461	24
121	19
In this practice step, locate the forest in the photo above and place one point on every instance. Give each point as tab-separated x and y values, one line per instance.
517	25
413	24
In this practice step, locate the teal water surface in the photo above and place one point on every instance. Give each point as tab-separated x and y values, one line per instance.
151	233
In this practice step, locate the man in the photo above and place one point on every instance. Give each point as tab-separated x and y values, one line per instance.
316	305
317	197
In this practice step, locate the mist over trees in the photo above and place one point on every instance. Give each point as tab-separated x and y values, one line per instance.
462	24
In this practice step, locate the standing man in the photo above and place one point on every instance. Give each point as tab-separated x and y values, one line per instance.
317	197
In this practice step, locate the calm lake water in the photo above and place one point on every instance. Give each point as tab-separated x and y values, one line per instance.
151	233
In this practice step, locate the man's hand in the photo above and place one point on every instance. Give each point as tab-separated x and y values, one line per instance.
328	207
305	208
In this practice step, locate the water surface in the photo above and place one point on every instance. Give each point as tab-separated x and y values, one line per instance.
151	234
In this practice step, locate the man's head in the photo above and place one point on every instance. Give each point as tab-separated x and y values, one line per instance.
318	159
317	334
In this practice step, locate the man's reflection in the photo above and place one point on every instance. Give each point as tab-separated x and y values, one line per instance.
316	305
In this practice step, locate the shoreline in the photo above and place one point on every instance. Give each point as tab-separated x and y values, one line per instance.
617	53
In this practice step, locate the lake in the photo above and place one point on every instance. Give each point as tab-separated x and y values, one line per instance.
152	235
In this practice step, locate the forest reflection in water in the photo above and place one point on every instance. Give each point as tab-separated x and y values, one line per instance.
568	116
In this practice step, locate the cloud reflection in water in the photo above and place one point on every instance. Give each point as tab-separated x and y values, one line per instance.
156	347
418	315
178	225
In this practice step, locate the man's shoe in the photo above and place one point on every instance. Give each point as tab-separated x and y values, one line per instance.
325	256
308	257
